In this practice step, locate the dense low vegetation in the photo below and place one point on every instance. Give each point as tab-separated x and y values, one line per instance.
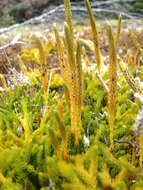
80	128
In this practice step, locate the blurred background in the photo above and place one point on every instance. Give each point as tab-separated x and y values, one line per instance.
18	11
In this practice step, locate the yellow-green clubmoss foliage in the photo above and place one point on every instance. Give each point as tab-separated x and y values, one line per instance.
112	82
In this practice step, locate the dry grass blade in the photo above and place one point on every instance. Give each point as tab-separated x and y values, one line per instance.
13	42
102	82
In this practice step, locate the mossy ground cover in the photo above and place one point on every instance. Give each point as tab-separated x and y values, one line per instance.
37	148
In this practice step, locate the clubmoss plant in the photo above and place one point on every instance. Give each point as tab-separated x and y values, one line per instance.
55	143
24	69
130	56
71	71
25	120
60	108
62	62
86	61
44	73
67	96
95	36
68	18
129	78
63	133
4	84
112	82
135	57
2	179
75	83
136	43
118	30
63	151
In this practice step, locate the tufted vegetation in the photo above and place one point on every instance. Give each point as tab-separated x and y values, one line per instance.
77	129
